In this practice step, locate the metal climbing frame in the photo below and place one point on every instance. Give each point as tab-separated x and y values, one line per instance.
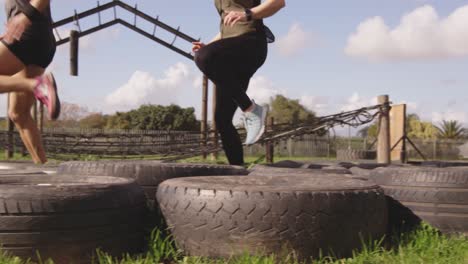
116	20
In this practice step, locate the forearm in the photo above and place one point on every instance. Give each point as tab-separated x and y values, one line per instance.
40	5
267	8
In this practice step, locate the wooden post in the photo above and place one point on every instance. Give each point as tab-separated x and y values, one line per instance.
214	155
270	146
204	121
398	133
383	144
10	140
74	44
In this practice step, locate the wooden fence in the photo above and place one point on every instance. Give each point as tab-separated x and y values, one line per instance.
147	142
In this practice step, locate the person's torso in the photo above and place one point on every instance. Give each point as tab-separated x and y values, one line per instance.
12	9
224	6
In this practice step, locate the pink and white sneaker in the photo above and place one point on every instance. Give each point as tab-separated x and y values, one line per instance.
46	92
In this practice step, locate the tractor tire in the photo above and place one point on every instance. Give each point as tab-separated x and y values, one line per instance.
438	196
20	172
230	216
67	218
267	170
148	174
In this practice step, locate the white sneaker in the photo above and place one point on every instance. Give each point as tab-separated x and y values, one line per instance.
255	123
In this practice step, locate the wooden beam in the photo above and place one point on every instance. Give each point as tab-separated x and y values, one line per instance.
383	143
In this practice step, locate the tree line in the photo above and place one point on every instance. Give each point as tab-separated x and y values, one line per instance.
282	109
418	129
158	117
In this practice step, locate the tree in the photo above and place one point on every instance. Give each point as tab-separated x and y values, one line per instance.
95	120
118	121
368	131
415	128
285	110
156	117
451	130
70	114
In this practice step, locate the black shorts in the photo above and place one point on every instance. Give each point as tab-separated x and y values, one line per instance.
36	47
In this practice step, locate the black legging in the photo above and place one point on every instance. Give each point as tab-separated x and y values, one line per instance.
230	63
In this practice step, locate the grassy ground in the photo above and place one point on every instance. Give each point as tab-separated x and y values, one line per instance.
423	246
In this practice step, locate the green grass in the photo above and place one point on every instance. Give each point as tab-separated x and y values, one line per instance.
422	246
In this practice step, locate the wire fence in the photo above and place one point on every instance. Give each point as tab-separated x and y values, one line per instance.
178	144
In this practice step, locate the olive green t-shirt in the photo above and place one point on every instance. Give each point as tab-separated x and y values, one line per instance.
239	28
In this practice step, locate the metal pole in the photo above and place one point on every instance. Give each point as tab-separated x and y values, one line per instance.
214	155
74	45
404	156
383	144
204	117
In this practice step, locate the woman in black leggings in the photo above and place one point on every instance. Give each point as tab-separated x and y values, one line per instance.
230	60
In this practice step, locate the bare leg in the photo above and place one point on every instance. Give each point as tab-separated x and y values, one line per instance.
8	82
21	102
20	114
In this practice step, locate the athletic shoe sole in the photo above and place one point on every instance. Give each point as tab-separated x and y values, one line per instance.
262	129
55	102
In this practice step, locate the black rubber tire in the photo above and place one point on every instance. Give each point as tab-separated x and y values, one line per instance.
225	216
355	154
443	164
14	165
45	168
268	170
66	218
29	166
20	172
361	173
287	164
367	166
438	196
149	174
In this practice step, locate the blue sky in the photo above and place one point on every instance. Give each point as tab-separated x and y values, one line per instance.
331	55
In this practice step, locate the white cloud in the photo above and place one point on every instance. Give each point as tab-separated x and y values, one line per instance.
262	90
294	41
421	34
355	101
142	88
410	106
320	105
